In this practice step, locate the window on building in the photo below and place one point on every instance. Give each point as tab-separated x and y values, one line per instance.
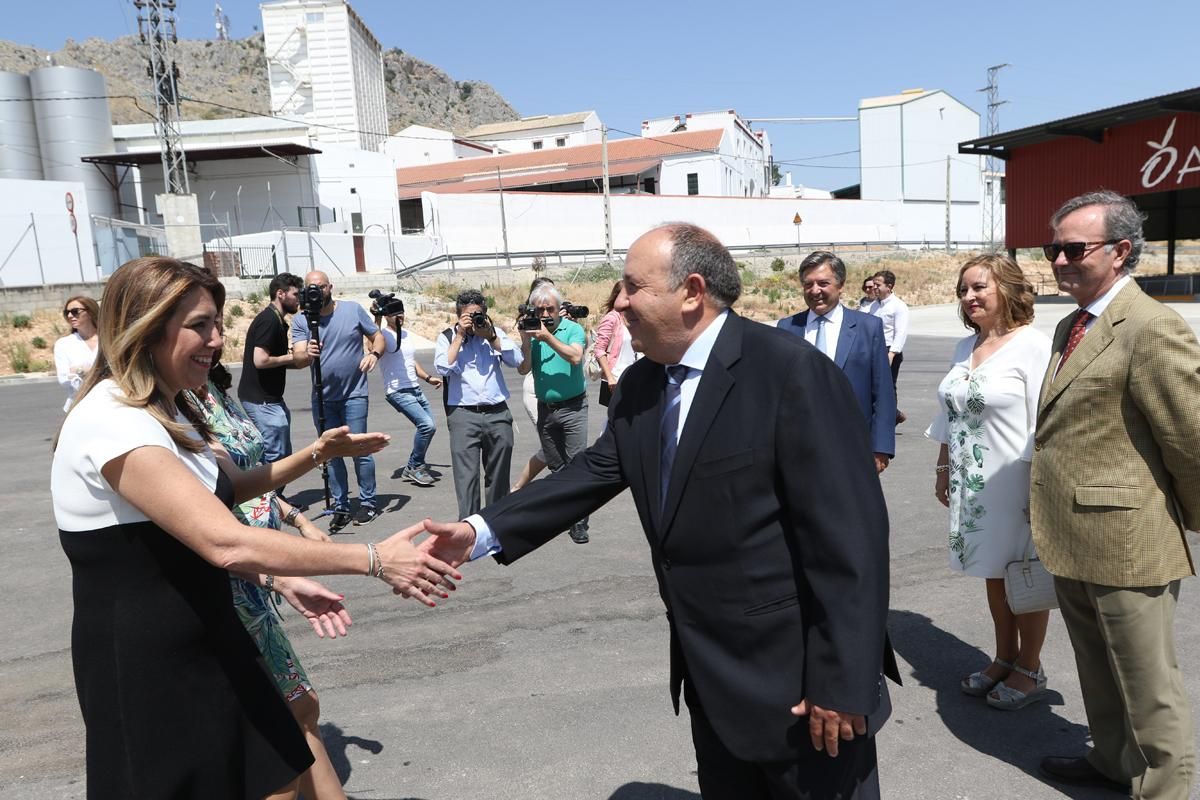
537	144
693	179
650	185
560	141
314	17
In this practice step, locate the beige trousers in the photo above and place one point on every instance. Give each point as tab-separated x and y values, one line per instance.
1137	707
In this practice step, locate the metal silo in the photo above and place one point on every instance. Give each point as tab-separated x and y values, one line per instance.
73	121
20	155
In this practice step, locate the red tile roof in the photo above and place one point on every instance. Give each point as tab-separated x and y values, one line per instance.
551	165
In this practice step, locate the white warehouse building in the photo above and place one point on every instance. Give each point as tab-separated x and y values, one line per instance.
744	168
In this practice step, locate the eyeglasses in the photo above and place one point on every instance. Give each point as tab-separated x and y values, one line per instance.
74	312
1074	251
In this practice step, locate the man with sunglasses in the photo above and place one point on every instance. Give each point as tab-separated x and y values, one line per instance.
1115	482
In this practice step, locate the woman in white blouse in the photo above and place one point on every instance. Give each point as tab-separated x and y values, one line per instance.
988	406
75	352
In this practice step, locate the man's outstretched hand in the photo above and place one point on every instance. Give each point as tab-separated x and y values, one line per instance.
451	542
827	727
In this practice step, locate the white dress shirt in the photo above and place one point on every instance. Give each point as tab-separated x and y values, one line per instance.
893	313
833	329
694	359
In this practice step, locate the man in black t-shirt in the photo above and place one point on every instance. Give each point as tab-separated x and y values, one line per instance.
265	362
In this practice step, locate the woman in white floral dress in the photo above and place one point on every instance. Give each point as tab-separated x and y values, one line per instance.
987	409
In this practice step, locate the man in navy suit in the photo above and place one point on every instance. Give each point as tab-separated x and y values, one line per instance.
769	543
854	341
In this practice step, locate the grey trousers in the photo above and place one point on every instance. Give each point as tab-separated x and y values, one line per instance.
479	437
563	434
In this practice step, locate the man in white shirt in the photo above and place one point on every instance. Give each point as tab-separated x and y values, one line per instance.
893	312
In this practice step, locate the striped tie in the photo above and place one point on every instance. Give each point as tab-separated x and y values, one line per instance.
668	436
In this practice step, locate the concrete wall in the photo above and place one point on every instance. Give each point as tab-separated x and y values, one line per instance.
28	299
57	255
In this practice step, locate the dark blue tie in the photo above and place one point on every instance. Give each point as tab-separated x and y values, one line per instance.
668	436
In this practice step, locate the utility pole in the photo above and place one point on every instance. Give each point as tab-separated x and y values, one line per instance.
608	247
156	26
503	220
991	165
947	204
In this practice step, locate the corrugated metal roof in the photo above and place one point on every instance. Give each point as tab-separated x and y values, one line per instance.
527	124
429	176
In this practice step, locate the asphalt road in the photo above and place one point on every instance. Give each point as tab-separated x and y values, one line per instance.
547	679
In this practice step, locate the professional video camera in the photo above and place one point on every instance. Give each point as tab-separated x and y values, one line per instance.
385	305
312	300
528	318
574	311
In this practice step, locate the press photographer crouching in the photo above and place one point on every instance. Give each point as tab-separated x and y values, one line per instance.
469	356
552	347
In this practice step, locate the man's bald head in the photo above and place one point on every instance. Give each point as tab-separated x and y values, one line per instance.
318	277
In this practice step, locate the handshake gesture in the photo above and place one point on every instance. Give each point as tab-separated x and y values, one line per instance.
424	571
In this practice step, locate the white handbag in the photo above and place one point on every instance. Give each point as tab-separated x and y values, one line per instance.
1028	586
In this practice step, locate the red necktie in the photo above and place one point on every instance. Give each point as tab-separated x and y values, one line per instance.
1078	328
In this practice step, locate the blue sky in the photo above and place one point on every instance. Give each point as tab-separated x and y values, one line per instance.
631	61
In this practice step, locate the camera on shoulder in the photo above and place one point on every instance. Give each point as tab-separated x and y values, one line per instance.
385	305
574	311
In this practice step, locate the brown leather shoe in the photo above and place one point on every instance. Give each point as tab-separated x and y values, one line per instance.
1079	772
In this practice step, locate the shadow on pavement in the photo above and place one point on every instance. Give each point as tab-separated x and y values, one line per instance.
652	791
336	744
940	660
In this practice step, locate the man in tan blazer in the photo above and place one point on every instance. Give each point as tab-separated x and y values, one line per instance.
1116	480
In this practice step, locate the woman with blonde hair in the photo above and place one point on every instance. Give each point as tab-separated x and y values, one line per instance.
75	353
171	686
613	347
987	409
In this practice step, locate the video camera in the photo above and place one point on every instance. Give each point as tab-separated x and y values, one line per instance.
312	300
385	305
574	311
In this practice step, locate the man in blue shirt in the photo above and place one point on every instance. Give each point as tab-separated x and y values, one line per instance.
344	368
553	352
469	357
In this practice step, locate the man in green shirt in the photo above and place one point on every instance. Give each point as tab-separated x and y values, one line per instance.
554	353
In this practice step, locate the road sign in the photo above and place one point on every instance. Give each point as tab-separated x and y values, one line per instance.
70	202
796	219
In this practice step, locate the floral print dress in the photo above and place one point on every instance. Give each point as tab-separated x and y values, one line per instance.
986	419
243	442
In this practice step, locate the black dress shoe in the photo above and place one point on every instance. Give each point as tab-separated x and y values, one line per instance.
1078	771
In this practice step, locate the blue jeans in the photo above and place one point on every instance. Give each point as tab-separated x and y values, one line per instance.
352	412
412	404
274	422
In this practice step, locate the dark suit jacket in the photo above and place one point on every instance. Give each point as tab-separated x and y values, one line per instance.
862	355
771	550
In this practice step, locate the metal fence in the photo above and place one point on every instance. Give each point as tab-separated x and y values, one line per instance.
241	262
117	241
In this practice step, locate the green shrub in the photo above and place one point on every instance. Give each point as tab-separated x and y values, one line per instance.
237	311
21	321
778	265
254	298
602	272
38	342
773	295
228	320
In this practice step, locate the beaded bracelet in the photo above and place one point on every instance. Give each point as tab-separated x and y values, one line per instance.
942	468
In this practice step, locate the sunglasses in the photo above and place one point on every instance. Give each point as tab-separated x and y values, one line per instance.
1074	251
74	312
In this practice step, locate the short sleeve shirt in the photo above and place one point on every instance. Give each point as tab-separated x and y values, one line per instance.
398	366
99	429
341	333
554	378
270	332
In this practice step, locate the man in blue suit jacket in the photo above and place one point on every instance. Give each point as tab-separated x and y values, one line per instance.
854	341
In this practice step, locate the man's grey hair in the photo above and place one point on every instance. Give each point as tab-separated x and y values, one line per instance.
819	257
695	250
1122	220
543	292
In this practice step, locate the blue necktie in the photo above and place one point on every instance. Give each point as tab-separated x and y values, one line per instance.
822	344
668	436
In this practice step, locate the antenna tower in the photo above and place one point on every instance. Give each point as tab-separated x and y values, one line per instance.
156	26
991	165
222	24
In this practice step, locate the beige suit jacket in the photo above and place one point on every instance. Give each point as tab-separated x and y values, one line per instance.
1116	463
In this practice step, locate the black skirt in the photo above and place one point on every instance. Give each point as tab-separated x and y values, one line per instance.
174	693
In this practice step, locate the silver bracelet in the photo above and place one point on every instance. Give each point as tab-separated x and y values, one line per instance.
291	517
375	567
269	583
315	456
942	468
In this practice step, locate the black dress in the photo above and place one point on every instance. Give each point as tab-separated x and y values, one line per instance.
173	691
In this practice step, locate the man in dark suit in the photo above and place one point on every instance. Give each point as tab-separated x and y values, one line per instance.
854	341
754	484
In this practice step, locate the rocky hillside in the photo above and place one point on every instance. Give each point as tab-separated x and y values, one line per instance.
234	74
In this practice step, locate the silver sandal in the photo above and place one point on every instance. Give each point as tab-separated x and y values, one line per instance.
978	684
1006	698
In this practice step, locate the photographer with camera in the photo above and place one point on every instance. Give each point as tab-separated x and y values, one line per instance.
469	356
265	362
340	390
401	374
552	347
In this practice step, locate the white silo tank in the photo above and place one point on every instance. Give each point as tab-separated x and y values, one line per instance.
73	121
20	155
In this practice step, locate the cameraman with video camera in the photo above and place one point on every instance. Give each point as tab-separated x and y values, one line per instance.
340	389
469	356
552	347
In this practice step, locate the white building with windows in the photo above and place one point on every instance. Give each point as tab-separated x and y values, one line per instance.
326	68
419	144
542	132
740	168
